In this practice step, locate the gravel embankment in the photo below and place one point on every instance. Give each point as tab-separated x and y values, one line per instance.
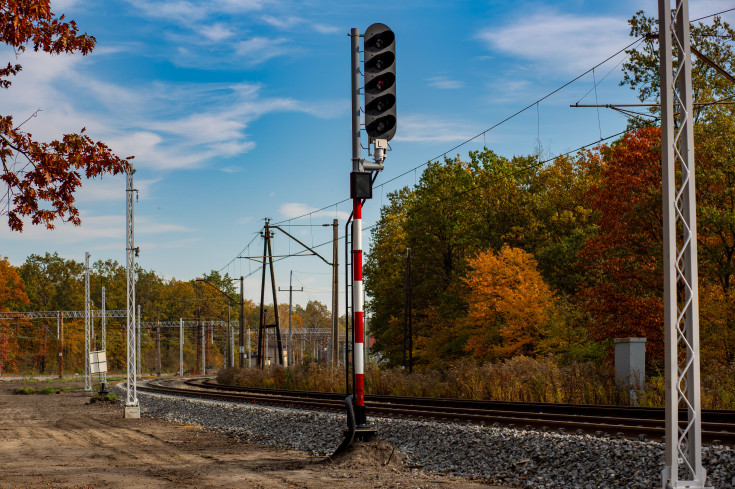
497	455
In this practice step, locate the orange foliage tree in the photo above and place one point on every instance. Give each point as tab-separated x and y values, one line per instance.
12	295
509	304
625	272
42	177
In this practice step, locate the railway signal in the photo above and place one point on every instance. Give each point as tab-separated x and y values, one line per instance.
380	82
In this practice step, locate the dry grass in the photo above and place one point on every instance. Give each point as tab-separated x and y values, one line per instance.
517	379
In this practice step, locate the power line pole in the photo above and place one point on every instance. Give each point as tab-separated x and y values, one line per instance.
291	290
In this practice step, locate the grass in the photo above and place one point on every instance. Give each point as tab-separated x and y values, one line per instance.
520	379
49	389
109	398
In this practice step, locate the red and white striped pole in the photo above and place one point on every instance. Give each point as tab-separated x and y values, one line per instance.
357	302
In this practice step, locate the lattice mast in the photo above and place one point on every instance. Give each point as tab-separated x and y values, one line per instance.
87	326
683	454
132	378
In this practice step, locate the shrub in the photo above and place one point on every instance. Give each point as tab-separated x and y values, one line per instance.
24	390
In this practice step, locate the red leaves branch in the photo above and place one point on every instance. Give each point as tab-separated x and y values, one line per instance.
55	175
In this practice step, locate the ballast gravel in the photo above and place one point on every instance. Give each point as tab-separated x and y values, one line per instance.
494	454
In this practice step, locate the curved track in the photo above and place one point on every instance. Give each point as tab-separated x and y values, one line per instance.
717	425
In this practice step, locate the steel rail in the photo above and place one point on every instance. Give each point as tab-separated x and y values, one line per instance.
618	421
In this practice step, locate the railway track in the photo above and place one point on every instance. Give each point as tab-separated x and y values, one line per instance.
718	426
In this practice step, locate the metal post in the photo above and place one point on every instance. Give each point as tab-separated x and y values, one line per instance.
158	347
204	349
132	408
87	326
358	352
181	347
250	356
409	311
334	353
230	359
103	323
291	290
290	316
242	326
405	311
683	452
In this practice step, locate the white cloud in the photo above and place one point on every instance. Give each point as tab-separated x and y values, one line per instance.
444	83
282	22
558	41
216	32
421	128
288	22
259	49
163	125
327	29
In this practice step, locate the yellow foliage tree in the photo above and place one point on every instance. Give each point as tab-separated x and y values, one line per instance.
508	304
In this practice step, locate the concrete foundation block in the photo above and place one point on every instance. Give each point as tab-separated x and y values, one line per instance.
132	412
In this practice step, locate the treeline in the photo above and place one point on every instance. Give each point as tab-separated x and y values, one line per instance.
512	256
52	283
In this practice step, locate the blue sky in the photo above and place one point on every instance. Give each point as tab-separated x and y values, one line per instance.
237	110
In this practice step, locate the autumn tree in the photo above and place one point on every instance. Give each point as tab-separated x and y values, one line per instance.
624	260
508	304
41	177
460	208
12	298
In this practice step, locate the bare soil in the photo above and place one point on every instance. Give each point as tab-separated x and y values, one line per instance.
63	441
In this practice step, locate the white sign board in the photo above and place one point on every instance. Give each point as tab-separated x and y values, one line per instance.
98	362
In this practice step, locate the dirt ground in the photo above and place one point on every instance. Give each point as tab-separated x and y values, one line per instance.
62	441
